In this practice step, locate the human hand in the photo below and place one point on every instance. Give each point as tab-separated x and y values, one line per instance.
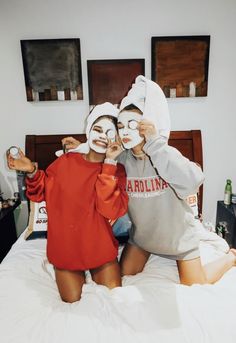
147	129
23	163
70	143
114	149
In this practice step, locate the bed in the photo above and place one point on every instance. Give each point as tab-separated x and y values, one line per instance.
150	307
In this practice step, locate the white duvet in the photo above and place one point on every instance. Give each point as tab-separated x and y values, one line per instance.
150	307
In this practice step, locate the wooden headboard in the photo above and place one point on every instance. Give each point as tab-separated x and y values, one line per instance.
41	148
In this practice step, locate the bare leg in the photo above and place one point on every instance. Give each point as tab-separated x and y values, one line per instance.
133	260
215	270
69	284
192	271
107	275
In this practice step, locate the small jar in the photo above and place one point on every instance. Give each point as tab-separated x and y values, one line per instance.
14	151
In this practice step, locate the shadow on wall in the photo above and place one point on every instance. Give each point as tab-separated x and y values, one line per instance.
7	188
8	184
14	182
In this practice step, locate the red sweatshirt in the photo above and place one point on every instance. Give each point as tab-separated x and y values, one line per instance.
80	196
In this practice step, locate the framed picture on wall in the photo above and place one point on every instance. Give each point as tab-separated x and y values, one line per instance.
110	80
52	69
180	65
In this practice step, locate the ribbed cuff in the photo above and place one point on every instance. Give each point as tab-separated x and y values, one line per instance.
31	175
110	161
155	142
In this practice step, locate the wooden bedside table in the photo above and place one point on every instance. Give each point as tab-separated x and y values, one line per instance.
227	214
7	229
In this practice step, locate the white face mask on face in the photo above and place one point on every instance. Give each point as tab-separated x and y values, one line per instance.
128	129
100	132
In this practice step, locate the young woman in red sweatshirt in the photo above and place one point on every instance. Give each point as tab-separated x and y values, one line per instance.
83	191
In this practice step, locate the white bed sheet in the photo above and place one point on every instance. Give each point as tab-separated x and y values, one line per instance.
150	307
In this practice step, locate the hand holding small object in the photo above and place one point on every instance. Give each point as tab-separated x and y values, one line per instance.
114	149
147	129
22	163
69	143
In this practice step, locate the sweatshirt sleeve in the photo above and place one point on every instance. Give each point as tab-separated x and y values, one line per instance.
184	176
111	196
35	187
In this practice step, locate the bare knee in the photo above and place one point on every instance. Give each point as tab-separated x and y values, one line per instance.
130	269
191	272
69	284
107	274
188	282
133	260
70	298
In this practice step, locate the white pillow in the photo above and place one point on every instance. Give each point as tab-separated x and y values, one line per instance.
38	221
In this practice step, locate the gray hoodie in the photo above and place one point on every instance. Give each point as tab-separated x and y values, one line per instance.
162	221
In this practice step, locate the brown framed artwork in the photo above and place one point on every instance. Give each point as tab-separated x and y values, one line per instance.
180	65
110	80
52	69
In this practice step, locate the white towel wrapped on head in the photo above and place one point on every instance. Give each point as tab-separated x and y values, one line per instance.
150	99
98	111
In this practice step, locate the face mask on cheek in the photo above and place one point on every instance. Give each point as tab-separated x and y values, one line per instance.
129	134
100	132
130	138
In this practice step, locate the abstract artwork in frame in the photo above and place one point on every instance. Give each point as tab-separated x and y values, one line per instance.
110	80
52	69
180	65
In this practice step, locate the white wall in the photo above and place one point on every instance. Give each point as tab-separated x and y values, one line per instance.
122	29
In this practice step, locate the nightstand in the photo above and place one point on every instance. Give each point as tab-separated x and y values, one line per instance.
227	214
7	229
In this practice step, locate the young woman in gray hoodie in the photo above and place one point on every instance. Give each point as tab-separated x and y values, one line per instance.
159	180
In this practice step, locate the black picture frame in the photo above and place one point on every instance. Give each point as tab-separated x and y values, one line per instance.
52	69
